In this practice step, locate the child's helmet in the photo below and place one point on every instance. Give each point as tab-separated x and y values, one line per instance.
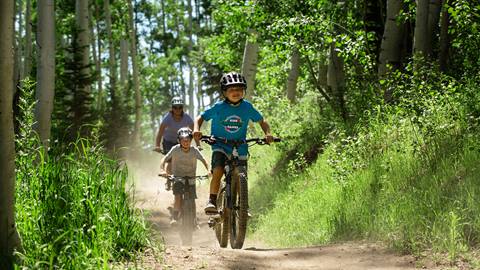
232	78
177	101
184	132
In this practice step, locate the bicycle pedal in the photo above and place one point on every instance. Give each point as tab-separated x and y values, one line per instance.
211	212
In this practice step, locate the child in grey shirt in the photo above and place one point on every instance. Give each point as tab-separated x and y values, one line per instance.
183	158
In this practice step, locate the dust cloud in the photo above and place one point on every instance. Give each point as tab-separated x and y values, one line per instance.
153	199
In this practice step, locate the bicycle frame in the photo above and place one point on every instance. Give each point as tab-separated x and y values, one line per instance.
188	207
232	218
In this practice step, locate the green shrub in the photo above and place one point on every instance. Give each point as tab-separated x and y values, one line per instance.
407	175
72	207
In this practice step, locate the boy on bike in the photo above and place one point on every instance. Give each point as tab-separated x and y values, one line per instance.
183	158
230	119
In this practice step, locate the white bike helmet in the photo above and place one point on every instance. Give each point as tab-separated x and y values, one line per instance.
177	101
184	132
231	79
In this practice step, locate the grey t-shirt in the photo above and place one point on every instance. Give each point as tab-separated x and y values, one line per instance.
172	126
184	163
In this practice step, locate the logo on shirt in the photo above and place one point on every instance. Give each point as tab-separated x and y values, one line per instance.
232	124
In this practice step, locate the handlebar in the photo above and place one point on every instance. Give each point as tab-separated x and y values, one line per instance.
211	140
161	151
189	177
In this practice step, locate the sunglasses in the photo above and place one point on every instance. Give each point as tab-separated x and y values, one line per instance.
177	107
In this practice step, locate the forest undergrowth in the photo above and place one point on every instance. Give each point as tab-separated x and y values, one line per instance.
405	174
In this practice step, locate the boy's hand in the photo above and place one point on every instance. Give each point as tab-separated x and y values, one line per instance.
163	173
268	138
197	134
158	149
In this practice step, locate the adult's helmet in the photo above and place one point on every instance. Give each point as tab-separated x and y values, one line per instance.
184	132
232	79
177	101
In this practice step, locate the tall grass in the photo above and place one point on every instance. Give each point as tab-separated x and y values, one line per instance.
408	177
72	207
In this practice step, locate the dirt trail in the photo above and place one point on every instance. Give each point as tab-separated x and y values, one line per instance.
205	253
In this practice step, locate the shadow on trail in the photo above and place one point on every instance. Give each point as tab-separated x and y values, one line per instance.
340	256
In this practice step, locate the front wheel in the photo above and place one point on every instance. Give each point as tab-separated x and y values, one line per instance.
188	219
222	227
239	212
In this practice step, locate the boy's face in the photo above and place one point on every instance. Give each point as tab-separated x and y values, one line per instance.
185	142
234	93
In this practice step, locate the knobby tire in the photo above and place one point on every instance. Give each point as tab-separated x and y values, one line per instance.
188	218
222	227
239	213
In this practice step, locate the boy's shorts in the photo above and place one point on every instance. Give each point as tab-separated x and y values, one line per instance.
178	188
219	159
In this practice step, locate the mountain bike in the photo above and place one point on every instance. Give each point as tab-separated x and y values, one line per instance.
187	216
232	200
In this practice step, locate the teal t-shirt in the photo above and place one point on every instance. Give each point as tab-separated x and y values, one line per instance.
231	122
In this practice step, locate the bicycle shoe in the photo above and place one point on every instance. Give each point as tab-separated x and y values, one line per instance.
210	208
173	222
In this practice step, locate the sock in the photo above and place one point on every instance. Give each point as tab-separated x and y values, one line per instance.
175	214
213	199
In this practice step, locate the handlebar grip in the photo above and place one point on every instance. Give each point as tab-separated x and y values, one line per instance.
275	139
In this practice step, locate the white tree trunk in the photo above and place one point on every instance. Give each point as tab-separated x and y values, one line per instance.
201	103
8	240
191	95
28	40
421	35
249	65
336	80
180	34
93	44
293	75
98	62
136	86
123	69
444	38
82	18
123	60
18	63
111	56
45	70
390	52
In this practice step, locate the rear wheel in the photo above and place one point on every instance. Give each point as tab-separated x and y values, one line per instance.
222	226
239	213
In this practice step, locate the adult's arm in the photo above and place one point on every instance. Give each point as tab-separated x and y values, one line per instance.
158	139
197	134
